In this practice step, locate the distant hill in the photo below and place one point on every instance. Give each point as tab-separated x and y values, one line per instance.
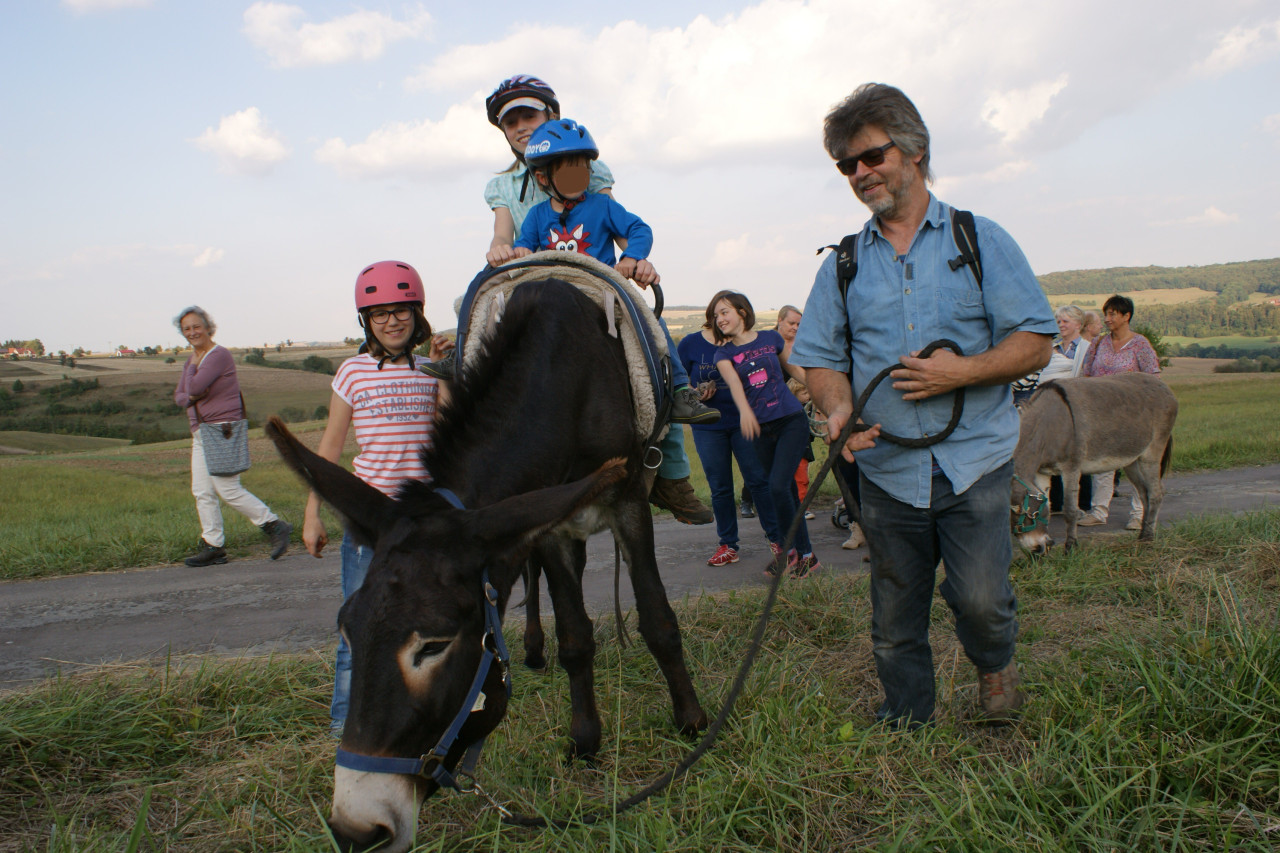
1243	277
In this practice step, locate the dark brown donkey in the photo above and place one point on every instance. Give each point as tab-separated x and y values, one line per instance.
540	447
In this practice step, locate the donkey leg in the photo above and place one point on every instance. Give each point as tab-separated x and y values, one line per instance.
534	639
657	620
561	559
1070	505
1144	475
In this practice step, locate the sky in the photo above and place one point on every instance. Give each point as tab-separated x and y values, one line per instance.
253	157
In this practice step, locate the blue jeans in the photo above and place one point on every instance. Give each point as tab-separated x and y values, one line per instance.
717	448
969	532
679	376
355	565
780	447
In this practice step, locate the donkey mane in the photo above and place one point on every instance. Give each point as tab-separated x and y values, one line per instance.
482	404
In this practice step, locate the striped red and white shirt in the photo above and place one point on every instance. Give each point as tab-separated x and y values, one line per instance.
394	413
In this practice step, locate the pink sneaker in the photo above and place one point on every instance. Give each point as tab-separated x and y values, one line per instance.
723	556
776	550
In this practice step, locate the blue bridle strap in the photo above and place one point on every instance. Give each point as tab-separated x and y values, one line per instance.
490	652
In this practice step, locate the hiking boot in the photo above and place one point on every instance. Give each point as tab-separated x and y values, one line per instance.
677	497
999	696
802	568
278	532
442	369
686	408
1092	518
747	510
856	538
208	555
723	556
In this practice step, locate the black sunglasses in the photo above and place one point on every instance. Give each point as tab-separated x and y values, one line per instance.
871	157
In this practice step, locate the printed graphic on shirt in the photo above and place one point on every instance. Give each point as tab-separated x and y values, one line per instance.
569	241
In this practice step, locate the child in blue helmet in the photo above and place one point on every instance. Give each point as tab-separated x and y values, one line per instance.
574	219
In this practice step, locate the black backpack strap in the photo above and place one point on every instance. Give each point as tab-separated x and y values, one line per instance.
965	233
846	262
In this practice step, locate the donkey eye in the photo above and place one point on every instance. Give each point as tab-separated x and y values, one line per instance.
429	649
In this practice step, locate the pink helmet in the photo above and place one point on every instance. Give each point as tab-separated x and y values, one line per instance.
387	282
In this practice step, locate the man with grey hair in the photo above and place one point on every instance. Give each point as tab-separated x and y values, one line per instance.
948	502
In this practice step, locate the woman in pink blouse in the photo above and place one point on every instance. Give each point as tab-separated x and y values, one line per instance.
1122	350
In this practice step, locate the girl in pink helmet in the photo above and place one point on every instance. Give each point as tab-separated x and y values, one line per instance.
392	404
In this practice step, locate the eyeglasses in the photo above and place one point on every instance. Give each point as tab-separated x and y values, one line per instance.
381	315
871	157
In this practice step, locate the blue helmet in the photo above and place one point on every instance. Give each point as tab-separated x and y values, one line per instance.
559	138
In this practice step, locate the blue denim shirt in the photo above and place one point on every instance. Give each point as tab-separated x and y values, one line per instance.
897	305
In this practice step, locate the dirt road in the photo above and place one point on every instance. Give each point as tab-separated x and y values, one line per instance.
253	607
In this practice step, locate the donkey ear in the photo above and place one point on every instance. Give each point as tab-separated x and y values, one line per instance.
532	513
364	509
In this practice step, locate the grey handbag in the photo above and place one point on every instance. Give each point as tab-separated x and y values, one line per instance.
226	445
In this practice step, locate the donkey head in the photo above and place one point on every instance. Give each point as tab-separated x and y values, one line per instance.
417	625
1029	514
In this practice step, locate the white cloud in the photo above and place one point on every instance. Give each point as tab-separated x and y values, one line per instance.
1211	216
1241	46
1271	124
89	6
209	257
748	252
1011	113
462	137
244	144
282	31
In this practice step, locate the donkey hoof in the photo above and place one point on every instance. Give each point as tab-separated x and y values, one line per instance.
536	662
694	726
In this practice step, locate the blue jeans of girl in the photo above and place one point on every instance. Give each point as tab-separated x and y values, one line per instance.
355	565
780	447
969	533
717	448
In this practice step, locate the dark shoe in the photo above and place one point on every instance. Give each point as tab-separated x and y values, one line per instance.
775	562
677	497
748	511
999	696
442	369
208	555
278	531
686	408
803	567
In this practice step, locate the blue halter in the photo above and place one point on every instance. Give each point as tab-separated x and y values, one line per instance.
431	764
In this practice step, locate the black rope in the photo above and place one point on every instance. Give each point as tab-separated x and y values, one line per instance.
757	636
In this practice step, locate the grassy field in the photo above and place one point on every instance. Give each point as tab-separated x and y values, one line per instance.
132	506
19	441
1240	341
1153	672
1154	296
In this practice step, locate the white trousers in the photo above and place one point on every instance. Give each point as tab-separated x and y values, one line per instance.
1104	486
208	488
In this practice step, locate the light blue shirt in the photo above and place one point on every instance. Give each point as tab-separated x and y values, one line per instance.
898	305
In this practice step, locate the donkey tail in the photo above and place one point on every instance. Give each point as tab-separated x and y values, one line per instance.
1168	454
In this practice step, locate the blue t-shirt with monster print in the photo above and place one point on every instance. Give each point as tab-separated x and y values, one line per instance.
588	228
757	365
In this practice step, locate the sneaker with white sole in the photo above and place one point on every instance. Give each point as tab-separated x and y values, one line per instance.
723	556
803	567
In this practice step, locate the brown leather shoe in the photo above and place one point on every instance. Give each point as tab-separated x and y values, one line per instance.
677	497
999	696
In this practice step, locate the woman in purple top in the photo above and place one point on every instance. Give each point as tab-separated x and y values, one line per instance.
210	393
1121	350
754	366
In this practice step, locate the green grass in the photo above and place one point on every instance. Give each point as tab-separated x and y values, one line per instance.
43	442
1226	424
129	506
1153	672
1242	341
